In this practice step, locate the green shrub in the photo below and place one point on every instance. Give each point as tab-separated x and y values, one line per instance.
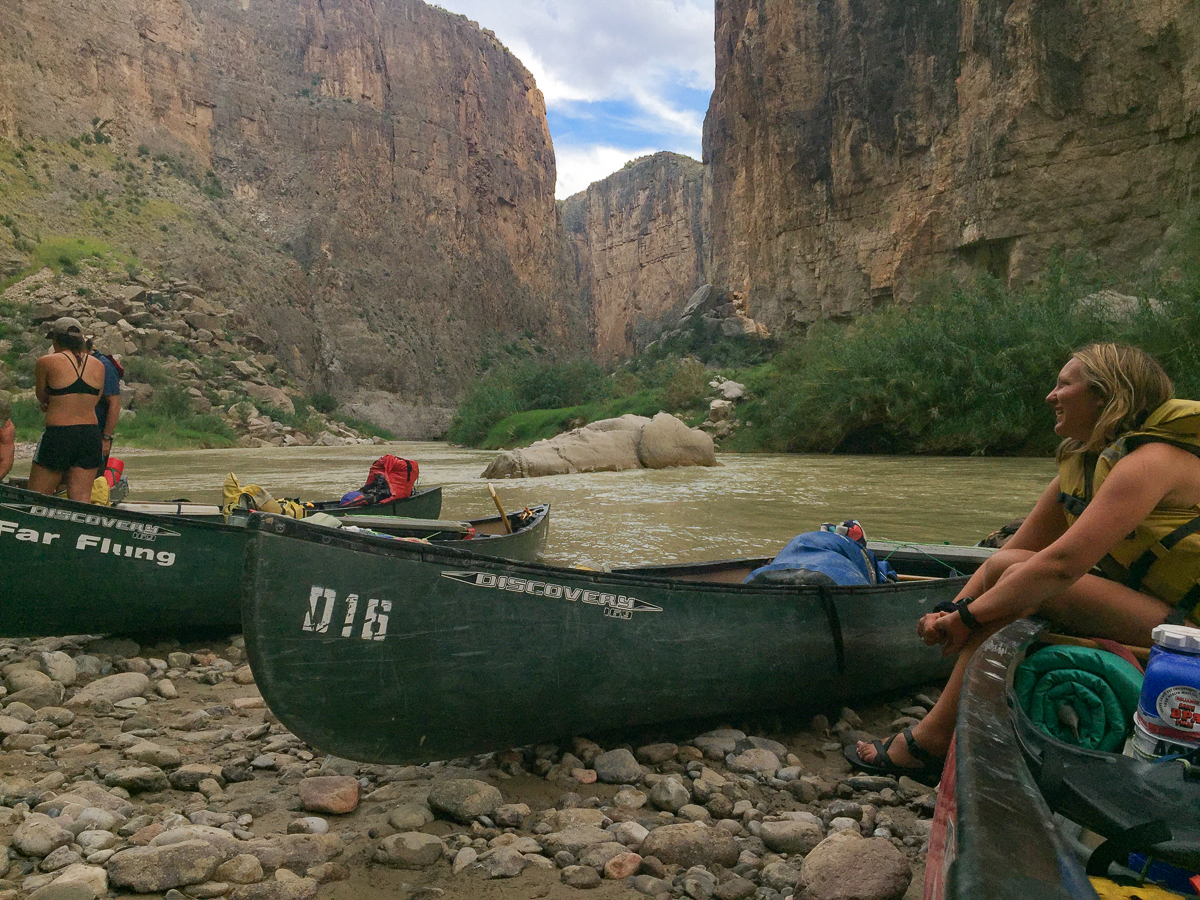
28	418
963	370
172	402
143	369
323	402
687	387
521	385
212	188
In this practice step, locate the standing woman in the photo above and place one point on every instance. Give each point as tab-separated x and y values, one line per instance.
68	381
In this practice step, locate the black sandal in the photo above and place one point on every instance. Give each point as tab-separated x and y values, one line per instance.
929	772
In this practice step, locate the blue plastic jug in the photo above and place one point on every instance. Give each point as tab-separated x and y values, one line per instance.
1168	715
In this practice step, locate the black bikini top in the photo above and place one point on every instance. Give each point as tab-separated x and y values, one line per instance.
78	386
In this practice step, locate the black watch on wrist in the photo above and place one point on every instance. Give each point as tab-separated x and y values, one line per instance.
968	617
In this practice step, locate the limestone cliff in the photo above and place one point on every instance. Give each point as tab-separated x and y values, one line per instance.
854	147
386	164
638	242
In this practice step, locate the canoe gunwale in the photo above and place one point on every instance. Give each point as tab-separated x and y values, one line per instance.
33	498
453	553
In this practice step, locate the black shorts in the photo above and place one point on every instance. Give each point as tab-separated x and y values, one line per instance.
64	447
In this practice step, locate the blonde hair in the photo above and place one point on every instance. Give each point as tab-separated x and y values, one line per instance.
1132	385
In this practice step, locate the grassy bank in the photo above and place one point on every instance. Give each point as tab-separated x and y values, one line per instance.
167	424
526	398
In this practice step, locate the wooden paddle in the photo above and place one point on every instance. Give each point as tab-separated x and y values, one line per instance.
503	514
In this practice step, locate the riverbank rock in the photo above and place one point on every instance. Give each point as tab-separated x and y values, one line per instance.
111	689
691	845
610	445
465	798
847	865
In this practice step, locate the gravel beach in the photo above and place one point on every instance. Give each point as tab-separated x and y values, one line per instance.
157	770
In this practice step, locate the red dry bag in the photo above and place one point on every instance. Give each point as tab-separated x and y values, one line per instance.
391	478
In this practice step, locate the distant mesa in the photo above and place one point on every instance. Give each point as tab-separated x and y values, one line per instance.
610	445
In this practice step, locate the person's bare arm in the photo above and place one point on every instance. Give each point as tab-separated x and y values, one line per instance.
1045	524
111	418
8	434
41	382
1135	486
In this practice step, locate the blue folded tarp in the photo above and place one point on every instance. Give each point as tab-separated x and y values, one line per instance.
823	557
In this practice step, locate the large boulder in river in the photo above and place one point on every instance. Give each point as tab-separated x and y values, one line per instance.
610	445
666	443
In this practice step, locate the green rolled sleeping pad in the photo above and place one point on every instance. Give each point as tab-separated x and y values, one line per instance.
1079	695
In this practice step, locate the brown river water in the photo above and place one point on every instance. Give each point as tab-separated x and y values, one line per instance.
750	505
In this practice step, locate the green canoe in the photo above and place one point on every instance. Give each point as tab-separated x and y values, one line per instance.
75	568
423	504
388	652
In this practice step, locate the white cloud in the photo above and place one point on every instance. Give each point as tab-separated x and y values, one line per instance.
580	166
618	76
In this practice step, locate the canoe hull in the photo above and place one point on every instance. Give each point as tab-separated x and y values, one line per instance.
423	504
74	568
400	654
524	543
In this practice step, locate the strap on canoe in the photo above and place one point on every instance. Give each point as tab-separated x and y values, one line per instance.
1132	840
835	628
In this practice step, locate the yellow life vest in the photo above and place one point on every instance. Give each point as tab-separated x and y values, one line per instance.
1162	555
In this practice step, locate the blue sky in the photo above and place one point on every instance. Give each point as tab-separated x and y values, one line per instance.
622	78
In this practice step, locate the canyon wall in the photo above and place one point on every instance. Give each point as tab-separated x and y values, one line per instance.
854	147
637	238
388	163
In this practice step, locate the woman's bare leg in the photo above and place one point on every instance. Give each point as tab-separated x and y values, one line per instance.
937	728
1093	606
43	480
79	484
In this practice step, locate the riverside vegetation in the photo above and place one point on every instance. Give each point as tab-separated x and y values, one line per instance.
962	370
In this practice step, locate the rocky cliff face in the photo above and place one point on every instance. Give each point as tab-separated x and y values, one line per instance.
855	147
389	162
638	242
